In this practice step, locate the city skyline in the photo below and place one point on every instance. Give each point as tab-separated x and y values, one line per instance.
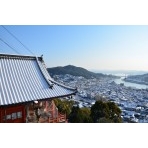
97	47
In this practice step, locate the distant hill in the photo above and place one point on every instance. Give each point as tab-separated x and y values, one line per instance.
141	79
75	71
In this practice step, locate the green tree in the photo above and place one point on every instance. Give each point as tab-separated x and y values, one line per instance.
99	110
102	111
114	112
104	120
74	116
105	112
80	115
64	106
85	113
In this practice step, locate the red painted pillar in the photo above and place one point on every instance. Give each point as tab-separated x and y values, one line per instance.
23	113
0	115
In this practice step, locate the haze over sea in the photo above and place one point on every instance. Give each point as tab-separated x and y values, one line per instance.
124	74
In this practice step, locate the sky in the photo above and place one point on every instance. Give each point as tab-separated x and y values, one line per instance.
101	47
95	47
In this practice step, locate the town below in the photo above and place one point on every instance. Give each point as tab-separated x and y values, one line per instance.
132	101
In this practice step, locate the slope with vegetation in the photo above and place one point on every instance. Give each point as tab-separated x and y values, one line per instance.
101	112
140	79
75	71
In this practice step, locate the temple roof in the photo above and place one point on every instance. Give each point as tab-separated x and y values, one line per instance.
25	79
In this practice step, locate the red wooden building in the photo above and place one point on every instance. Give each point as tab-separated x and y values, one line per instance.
26	91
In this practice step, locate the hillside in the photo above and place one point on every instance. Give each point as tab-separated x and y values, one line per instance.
75	71
141	79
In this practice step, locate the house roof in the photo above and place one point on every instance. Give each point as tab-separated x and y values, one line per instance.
25	78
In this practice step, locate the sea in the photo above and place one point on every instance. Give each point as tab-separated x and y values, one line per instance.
124	74
129	84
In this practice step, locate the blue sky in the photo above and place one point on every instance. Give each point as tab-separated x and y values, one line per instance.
92	47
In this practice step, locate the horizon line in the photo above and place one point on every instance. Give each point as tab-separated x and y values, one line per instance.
95	70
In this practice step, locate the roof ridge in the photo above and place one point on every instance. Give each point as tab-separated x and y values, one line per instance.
16	55
50	84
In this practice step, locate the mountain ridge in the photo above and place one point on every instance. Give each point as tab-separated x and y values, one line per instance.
75	71
140	79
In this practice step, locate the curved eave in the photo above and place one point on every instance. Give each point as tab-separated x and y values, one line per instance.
44	99
67	87
47	77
